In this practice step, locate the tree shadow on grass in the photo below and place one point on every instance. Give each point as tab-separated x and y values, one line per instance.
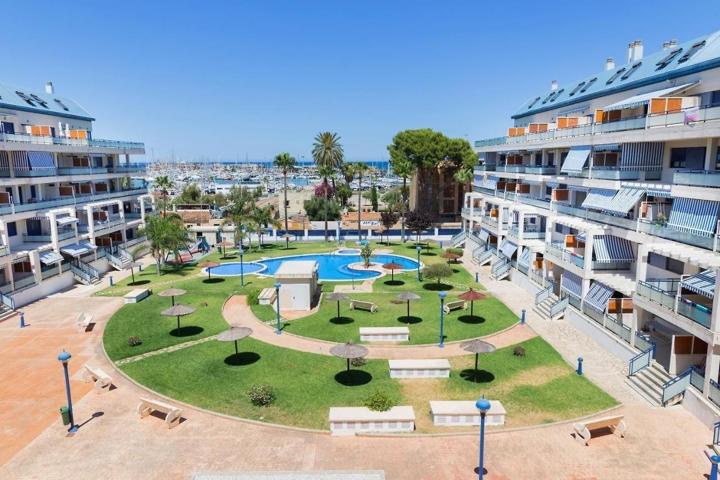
428	254
477	376
409	319
187	331
341	320
394	283
437	287
228	257
138	282
213	280
471	319
242	358
353	378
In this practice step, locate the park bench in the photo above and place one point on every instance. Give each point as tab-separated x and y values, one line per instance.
615	423
463	413
456	305
84	320
267	296
97	375
352	420
172	413
360	305
384	334
134	296
422	368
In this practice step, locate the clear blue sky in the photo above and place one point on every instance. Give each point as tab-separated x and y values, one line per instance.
224	79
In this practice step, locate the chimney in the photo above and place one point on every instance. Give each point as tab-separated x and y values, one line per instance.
635	51
553	85
670	44
49	88
609	64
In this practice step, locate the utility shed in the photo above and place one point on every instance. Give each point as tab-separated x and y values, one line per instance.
298	284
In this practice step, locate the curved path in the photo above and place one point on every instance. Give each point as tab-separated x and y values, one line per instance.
237	312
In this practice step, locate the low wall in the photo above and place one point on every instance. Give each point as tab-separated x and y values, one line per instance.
597	333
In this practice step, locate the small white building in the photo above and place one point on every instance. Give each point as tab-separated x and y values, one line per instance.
298	280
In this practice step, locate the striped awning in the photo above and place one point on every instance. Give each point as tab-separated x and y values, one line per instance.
576	159
598	296
78	249
642	156
609	249
41	160
702	283
48	258
524	258
644	98
651	192
20	161
581	237
483	234
4	160
598	198
624	200
608	147
507	248
571	283
693	215
578	188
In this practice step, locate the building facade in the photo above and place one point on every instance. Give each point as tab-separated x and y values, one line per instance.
69	206
603	200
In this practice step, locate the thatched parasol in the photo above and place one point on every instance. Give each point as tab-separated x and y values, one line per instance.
208	266
452	256
172	292
470	296
392	266
233	334
348	351
477	347
408	297
337	297
178	311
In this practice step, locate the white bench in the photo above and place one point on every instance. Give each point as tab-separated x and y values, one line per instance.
352	420
464	413
360	305
134	296
97	375
172	413
384	334
267	296
425	368
616	424
84	320
456	305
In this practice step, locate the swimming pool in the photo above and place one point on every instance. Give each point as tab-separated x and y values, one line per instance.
331	266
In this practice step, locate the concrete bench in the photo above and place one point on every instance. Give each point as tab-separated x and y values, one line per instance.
267	296
352	420
97	375
136	295
360	305
426	368
464	413
384	334
172	413
456	305
84	320
616	424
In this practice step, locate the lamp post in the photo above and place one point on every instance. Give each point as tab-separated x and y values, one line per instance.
242	275
442	296
483	405
277	307
418	248
64	358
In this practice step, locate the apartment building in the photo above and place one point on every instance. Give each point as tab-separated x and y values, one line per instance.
603	200
70	207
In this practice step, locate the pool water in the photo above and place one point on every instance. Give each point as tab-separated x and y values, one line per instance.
233	268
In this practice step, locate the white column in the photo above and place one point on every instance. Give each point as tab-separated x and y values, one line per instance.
641	265
34	257
712	364
521	225
589	240
91	223
715	319
3	234
121	209
711	145
54	231
142	209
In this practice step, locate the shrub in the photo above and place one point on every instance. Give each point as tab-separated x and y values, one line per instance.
379	401
456	251
358	362
252	296
134	341
261	395
437	271
519	351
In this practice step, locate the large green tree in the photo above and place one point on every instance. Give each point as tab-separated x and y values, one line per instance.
286	163
360	169
166	234
328	155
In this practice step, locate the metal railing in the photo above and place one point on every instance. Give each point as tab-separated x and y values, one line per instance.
675	386
70	200
642	342
714	392
558	307
611	265
484	256
700	178
618	328
664	293
543	294
75	142
716	434
24	282
500	267
8	301
565	255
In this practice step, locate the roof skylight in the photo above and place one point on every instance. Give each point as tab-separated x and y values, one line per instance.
588	84
557	94
27	99
532	104
61	105
616	75
693	50
631	71
39	100
575	90
668	59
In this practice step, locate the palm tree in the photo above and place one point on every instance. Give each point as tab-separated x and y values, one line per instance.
404	170
134	255
287	163
164	184
166	235
328	155
360	169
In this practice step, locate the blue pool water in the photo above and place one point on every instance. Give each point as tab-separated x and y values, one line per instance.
330	266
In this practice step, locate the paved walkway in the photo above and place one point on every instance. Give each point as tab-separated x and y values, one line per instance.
237	312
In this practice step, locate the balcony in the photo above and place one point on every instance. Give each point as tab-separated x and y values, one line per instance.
611	265
47	238
81	170
537	202
530	232
562	253
4	250
611	173
511	168
596	216
111	222
485	168
62	202
664	293
541	170
73	142
697	178
672	234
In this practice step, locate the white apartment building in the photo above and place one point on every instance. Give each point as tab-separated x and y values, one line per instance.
603	199
69	207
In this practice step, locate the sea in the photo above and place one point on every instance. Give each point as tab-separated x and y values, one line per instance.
378	164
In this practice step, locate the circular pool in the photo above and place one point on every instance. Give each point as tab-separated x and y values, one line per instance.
231	269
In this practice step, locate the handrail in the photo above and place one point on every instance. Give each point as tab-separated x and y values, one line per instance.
559	306
8	301
676	386
543	294
716	434
641	360
78	272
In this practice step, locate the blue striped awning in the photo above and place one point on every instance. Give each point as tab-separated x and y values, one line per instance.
524	258
598	198
608	147
20	161
702	283
576	159
483	234
693	215
624	200
598	296
642	156
609	248
41	160
571	283
644	98
48	258
507	248
651	192
78	249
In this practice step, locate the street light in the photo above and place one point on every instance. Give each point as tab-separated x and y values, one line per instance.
483	405
418	248
64	358
442	296
242	273
277	306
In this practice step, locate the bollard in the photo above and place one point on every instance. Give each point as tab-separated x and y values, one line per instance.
140	267
579	370
477	278
714	460
110	280
22	319
522	317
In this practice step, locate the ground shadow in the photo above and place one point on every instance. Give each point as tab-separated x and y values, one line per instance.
471	319
477	376
187	331
214	280
409	319
429	254
394	283
437	287
92	417
163	415
353	378
242	358
138	282
341	320
477	470
228	257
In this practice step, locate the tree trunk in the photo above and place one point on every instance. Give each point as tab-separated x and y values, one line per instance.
359	203
325	194
402	210
285	198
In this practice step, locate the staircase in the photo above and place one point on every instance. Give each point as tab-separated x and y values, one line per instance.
7	307
84	273
458	239
649	382
500	269
120	260
483	258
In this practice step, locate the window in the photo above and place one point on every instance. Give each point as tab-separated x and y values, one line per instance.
668	59
27	99
533	103
692	158
693	50
39	100
548	97
616	75
7	127
550	159
62	105
575	90
717	159
557	94
631	71
11	229
664	263
548	190
588	84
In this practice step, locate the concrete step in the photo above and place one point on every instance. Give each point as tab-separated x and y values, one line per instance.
649	382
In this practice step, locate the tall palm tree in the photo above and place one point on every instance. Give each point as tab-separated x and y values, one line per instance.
287	163
328	155
163	183
360	169
404	170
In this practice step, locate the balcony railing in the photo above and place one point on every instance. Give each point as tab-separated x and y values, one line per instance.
62	202
511	168
537	202
541	170
596	216
4	250
672	234
485	168
75	142
81	170
697	178
611	265
46	238
110	222
566	255
529	232
664	293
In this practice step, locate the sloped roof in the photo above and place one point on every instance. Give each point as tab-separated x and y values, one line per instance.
41	102
647	73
